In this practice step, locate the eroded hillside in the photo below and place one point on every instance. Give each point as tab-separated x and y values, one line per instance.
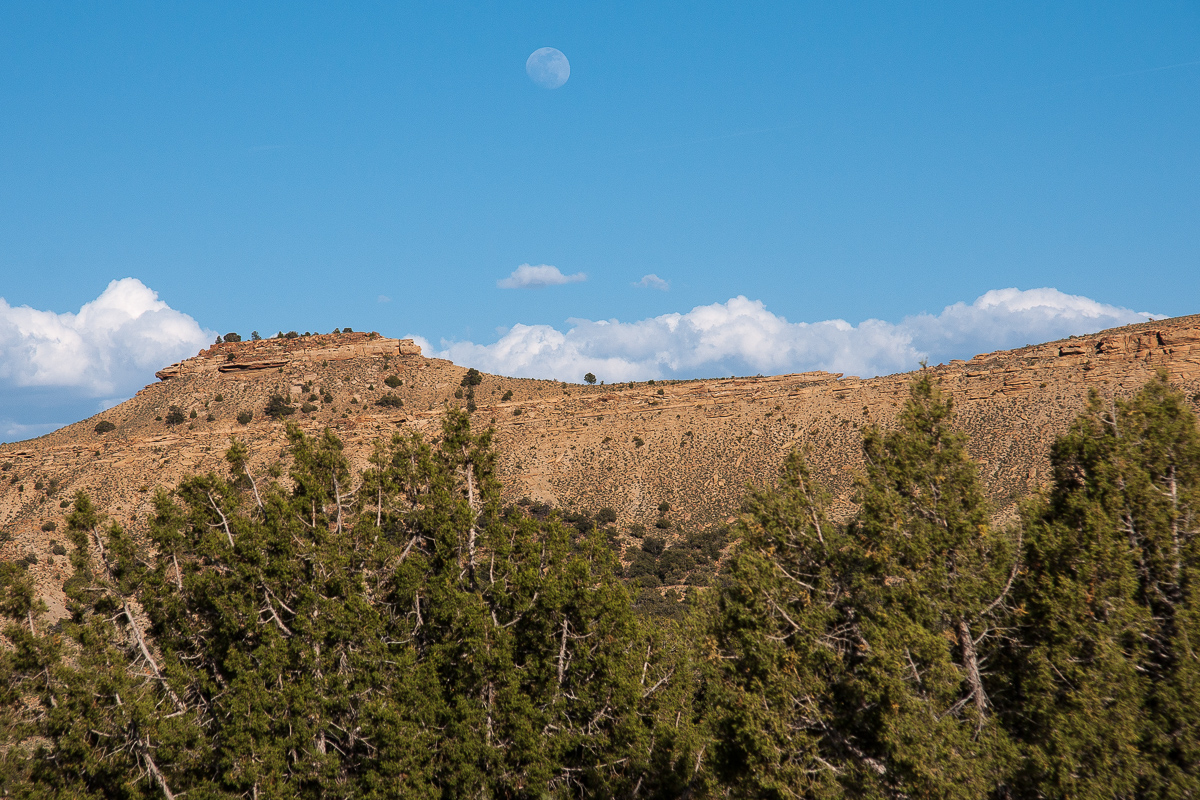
692	444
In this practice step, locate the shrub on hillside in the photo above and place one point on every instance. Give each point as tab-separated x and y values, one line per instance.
507	396
232	337
49	525
392	381
244	417
174	415
674	565
278	407
653	545
104	426
473	378
390	400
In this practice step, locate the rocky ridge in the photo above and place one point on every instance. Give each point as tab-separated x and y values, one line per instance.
692	444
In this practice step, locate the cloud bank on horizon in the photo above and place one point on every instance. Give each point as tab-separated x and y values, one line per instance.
58	368
106	351
742	337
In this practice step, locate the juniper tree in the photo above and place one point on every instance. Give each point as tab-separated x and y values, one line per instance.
400	637
1106	686
931	591
781	642
854	659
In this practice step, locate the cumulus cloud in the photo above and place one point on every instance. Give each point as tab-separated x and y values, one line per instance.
109	349
652	281
529	276
741	336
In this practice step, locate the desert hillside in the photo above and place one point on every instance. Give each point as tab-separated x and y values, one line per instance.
693	444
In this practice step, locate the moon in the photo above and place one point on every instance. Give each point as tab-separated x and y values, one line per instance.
548	67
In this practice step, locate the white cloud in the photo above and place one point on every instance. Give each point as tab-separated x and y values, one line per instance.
528	276
383	298
742	337
110	348
652	281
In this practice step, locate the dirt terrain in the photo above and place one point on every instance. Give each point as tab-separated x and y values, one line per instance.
693	444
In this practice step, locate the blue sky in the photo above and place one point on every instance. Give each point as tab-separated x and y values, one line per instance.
290	166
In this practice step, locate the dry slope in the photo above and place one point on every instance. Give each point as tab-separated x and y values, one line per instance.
693	444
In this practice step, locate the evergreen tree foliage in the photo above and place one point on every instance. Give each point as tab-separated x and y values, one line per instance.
852	660
1106	686
398	632
404	636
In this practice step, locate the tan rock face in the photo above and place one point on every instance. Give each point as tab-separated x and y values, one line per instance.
694	444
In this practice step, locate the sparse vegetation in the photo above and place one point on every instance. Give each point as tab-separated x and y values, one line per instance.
393	382
244	417
390	400
589	379
174	416
473	378
508	395
279	407
232	337
104	426
49	525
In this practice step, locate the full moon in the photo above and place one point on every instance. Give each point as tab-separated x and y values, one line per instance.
548	68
